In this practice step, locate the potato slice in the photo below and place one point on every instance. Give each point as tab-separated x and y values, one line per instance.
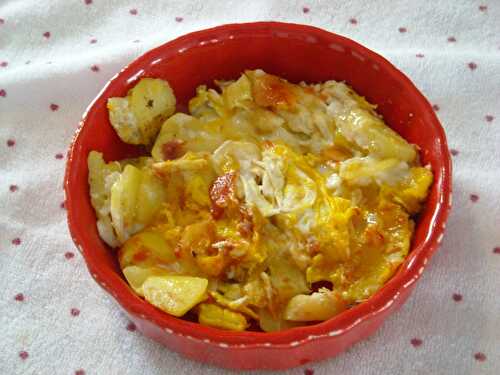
152	193
269	323
146	248
137	118
315	307
136	276
216	316
124	195
175	295
187	133
102	176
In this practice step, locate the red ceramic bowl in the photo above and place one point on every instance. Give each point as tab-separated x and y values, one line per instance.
295	52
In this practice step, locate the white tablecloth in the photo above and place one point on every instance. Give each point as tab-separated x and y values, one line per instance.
54	58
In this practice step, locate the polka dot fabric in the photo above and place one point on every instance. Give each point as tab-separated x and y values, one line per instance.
53	62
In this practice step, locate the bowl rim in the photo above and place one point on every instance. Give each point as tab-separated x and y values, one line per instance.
336	326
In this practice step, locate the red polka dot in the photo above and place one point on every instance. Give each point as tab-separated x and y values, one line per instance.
489	118
11	142
94	68
13	188
308	371
474	198
19	297
54	107
305	10
472	65
454	152
88	2
59	156
23	355
483	8
133	12
435	107
63	205
353	21
69	255
16	241
419	55
179	19
452	39
480	357
3	64
80	372
93	41
2	21
46	34
457	297
402	30
3	93
416	342
496	250
74	311
131	327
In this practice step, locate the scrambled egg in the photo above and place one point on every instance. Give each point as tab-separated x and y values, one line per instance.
269	205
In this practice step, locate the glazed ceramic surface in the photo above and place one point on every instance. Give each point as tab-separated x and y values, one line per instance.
297	53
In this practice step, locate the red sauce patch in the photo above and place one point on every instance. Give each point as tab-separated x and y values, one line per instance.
221	193
271	91
141	255
172	149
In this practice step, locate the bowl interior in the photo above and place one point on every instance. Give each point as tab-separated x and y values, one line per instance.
297	53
